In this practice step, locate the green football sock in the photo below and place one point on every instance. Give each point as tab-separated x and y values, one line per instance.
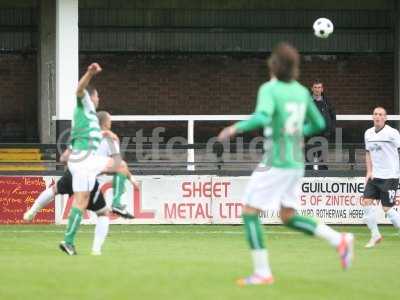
118	188
303	224
254	232
74	220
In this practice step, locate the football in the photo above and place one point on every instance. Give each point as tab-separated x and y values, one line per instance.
323	28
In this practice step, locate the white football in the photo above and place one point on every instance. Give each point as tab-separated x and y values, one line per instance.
323	28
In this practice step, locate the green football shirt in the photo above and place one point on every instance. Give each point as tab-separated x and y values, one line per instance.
86	133
287	113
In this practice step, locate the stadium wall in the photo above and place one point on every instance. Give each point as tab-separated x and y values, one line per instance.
238	4
195	84
244	29
18	97
217	84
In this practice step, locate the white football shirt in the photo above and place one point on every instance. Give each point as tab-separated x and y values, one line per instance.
382	146
108	147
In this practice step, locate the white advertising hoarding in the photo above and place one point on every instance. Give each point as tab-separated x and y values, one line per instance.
217	200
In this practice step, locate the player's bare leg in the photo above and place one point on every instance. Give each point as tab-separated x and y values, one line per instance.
41	201
393	215
371	220
120	168
100	231
343	242
81	200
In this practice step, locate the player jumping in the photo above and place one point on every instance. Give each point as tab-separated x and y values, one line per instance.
97	203
83	163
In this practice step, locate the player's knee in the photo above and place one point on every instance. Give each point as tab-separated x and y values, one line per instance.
286	214
104	213
366	202
54	189
123	168
80	206
284	218
386	208
81	200
249	210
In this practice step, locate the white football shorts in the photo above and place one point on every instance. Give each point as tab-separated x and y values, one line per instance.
84	167
274	187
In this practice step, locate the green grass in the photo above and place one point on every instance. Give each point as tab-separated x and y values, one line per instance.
189	262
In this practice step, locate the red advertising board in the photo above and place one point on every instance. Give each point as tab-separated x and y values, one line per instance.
17	193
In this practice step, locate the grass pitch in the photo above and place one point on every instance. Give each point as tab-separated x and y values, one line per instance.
190	262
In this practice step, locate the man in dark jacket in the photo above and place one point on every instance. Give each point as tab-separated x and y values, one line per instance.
326	108
328	112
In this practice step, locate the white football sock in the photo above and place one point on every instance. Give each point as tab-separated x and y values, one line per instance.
261	263
370	220
43	200
394	217
325	232
100	233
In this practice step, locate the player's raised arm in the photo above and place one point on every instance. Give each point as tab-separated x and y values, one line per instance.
314	122
92	70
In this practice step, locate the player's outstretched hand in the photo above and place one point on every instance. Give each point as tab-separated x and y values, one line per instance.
227	133
94	69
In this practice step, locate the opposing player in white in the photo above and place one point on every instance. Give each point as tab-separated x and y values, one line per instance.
383	171
108	147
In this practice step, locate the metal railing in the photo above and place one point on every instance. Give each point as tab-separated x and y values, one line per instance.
191	162
191	119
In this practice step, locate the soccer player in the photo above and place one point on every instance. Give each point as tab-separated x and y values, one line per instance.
83	163
382	179
109	146
97	203
286	107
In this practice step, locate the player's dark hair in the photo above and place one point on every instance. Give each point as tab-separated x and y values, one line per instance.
91	89
317	81
102	116
284	62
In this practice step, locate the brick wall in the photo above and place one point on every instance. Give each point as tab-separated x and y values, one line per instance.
197	84
133	84
201	84
18	97
356	84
